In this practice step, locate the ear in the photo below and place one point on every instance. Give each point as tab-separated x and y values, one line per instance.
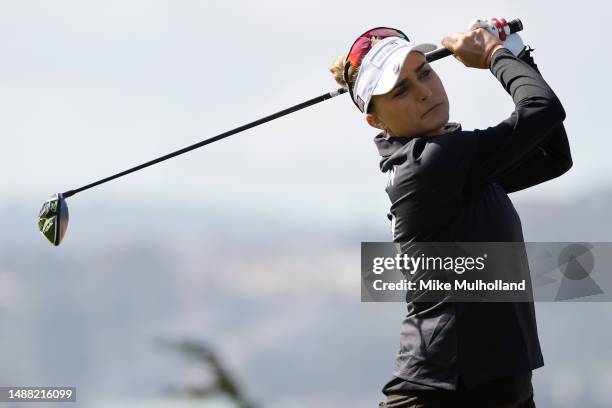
374	122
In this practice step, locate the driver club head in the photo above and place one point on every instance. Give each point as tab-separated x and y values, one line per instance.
53	218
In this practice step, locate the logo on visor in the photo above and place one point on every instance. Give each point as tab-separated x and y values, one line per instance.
396	68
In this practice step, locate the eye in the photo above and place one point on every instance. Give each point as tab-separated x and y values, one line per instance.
425	73
400	91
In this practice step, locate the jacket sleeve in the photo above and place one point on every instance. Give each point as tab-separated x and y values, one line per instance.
549	160
510	152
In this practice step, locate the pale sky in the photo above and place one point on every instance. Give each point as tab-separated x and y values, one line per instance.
88	89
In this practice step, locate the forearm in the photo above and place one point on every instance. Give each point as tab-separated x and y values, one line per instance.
550	159
556	144
529	91
502	148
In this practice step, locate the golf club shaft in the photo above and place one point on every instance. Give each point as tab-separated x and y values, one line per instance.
515	25
268	118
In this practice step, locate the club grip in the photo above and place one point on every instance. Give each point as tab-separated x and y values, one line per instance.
514	25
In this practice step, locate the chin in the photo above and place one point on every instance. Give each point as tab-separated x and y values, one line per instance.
436	122
442	117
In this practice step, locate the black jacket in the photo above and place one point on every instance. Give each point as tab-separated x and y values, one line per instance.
453	187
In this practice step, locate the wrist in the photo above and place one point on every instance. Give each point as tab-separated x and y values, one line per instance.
493	50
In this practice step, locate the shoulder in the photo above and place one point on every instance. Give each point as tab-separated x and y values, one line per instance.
446	150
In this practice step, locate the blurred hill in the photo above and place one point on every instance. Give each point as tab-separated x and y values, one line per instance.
278	298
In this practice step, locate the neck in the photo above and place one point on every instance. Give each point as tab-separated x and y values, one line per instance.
438	131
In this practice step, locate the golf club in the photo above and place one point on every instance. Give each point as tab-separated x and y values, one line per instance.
53	216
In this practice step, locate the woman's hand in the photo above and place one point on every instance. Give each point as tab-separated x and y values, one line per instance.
473	48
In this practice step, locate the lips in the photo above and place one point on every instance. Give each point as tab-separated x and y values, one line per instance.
431	109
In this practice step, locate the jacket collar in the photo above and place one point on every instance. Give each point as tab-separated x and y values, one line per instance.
388	145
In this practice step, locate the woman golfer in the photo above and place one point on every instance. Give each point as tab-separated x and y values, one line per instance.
447	184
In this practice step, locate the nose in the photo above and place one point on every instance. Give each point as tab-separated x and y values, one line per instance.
423	92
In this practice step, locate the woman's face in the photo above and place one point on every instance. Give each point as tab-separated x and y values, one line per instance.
403	111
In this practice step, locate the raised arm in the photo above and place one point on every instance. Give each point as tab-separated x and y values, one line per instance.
505	147
456	164
551	158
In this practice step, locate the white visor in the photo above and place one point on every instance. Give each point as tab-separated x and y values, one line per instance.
381	67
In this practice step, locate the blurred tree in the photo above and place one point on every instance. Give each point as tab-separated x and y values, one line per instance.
222	382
